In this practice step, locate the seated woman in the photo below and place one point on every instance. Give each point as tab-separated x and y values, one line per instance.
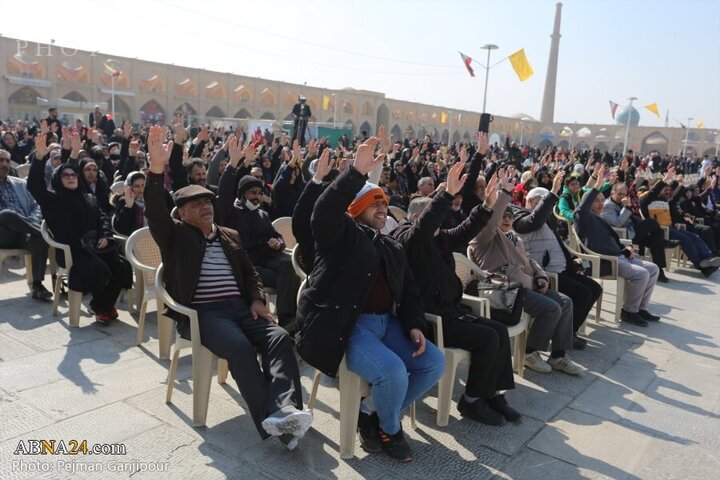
130	207
497	249
74	219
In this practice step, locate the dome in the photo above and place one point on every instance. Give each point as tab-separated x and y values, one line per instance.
622	117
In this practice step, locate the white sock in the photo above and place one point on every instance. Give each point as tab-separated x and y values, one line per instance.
367	406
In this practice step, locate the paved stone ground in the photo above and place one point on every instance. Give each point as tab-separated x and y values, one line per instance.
647	406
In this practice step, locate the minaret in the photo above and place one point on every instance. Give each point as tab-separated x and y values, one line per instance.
547	113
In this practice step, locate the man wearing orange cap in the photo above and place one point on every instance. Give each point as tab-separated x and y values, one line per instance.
361	303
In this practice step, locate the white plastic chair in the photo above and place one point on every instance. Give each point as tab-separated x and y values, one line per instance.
398	213
283	226
144	255
467	270
21	253
202	358
296	264
352	389
118	188
74	297
23	170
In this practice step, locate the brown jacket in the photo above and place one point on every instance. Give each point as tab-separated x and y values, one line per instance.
182	247
491	250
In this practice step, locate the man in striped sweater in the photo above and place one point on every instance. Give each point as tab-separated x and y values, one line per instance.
207	268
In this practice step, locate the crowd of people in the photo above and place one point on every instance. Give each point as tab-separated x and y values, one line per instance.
209	196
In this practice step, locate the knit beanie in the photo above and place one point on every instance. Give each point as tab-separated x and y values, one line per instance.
368	195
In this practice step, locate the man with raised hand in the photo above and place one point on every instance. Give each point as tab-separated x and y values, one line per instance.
430	252
207	268
361	303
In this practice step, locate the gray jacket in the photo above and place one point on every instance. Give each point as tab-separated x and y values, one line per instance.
31	210
618	216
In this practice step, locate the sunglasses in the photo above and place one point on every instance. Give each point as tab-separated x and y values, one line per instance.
68	175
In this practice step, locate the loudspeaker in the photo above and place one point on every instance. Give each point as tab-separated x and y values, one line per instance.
485	119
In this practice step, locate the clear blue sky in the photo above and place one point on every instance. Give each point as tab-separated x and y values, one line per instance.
659	51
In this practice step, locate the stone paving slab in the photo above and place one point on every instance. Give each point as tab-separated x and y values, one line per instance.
648	405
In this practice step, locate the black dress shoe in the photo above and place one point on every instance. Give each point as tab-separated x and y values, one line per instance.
634	318
396	446
369	430
479	411
500	404
662	278
671	243
579	343
649	316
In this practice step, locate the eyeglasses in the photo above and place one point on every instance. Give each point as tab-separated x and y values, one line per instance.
68	175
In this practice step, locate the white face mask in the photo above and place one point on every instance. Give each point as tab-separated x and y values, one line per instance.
251	206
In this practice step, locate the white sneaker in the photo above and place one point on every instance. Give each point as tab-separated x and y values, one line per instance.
288	420
534	361
564	364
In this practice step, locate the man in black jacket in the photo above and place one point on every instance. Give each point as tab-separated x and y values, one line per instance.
207	267
241	210
534	224
361	303
599	237
430	254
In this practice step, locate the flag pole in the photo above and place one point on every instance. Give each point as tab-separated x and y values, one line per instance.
487	47
687	134
627	125
112	94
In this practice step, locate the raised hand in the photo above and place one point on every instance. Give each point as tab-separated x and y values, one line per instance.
234	150
284	139
507	181
312	148
159	152
134	148
483	144
491	191
364	161
44	126
463	155
129	197
250	154
456	179
41	145
670	174
385	144
203	135
65	138
75	144
127	129
323	165
558	182
179	132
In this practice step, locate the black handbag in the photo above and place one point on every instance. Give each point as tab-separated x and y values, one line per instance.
506	298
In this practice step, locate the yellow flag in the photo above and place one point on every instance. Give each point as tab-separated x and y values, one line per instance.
653	107
700	123
520	65
326	102
443	117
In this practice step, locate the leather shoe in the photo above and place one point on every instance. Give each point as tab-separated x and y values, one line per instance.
479	411
579	343
649	316
662	278
634	318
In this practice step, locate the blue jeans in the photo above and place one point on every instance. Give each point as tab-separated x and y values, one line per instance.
381	353
694	247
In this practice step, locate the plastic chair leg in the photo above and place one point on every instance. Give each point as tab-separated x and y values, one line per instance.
350	384
28	269
75	300
165	329
520	344
202	379
619	298
222	371
445	390
171	375
313	393
141	323
56	294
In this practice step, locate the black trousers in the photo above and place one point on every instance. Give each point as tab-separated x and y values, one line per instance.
649	234
17	231
583	290
490	355
707	233
228	330
278	273
111	276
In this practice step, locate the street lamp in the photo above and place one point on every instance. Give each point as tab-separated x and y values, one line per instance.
627	125
487	47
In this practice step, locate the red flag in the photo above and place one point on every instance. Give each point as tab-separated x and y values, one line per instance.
613	108
467	60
